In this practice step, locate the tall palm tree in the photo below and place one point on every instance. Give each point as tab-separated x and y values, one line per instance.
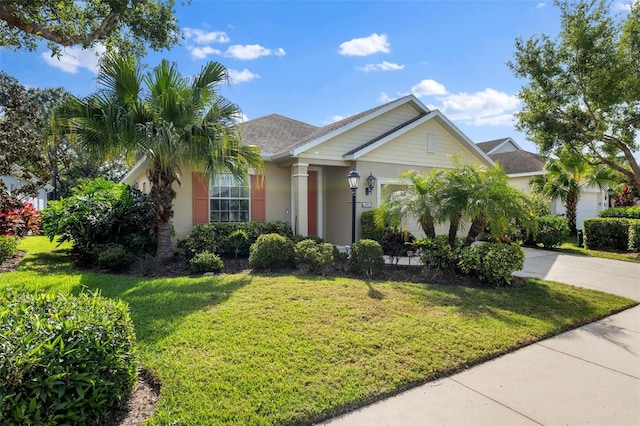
165	118
565	178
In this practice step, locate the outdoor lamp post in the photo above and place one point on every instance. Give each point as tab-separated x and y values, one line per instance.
354	179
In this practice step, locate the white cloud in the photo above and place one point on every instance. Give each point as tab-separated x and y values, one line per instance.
202	52
428	88
336	118
365	46
243	76
622	7
202	37
540	5
383	66
73	58
251	51
384	98
488	107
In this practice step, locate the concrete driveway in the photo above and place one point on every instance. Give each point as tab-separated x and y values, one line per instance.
590	375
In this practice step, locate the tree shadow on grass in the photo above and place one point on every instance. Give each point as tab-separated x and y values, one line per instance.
49	263
158	306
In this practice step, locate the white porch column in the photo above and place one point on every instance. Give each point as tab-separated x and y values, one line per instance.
300	175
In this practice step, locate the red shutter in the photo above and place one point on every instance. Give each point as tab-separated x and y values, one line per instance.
200	198
258	200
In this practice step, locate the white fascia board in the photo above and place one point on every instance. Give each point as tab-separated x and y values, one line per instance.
515	175
400	132
134	169
504	142
315	142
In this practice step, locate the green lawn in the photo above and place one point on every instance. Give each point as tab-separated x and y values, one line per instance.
281	349
570	246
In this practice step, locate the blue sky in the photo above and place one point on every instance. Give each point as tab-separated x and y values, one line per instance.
318	62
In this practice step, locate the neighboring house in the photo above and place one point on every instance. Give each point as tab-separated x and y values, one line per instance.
306	167
521	166
13	182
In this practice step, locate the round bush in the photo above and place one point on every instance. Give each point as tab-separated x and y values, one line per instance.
436	254
114	257
313	257
8	247
366	258
271	252
552	231
205	262
491	262
64	359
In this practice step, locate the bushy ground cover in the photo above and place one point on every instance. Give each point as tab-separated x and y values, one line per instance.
281	349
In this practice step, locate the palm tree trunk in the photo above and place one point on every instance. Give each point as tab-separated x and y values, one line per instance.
571	207
428	226
453	228
477	226
162	196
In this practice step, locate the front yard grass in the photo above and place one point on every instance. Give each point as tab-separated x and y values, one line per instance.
281	349
570	246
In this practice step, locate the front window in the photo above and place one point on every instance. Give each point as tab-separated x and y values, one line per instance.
229	199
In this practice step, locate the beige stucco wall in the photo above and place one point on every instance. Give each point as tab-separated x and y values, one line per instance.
278	192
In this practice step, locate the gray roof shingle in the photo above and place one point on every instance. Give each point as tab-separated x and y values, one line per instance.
274	133
487	146
519	161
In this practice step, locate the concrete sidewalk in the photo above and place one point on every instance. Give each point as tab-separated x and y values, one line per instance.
590	375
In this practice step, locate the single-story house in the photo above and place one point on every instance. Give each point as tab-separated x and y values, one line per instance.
14	181
521	166
306	167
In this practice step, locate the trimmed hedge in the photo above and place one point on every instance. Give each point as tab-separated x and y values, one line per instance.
492	263
366	258
622	212
634	236
64	359
8	247
552	231
272	252
606	233
206	262
371	231
215	237
312	256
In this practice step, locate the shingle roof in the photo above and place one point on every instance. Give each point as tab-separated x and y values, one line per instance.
274	133
519	161
487	146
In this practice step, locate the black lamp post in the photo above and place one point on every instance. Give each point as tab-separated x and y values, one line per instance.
354	179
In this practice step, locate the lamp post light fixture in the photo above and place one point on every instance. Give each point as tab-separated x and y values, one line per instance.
371	183
354	180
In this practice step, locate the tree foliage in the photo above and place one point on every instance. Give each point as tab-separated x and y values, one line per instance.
125	24
21	152
584	87
166	118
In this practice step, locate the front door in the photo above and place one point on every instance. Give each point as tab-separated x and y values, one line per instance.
312	203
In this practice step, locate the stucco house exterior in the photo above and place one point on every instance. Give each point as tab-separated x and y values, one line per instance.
14	181
306	167
521	166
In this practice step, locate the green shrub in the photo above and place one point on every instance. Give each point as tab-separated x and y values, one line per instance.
114	257
8	247
297	238
312	257
64	359
436	254
552	231
214	237
340	259
623	212
492	263
366	258
236	239
205	262
606	233
396	244
634	236
272	252
371	231
101	212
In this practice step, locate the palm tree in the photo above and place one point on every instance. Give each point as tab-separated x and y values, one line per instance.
165	118
417	200
565	178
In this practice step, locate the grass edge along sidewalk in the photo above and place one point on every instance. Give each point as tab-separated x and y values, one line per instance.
284	349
